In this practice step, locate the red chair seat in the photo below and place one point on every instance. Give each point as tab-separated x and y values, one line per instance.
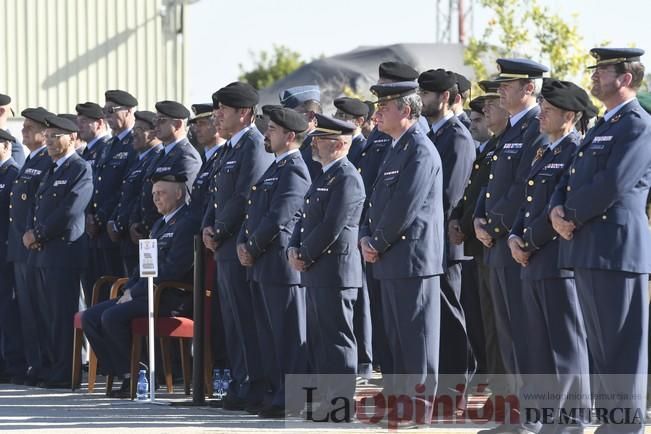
77	320
174	327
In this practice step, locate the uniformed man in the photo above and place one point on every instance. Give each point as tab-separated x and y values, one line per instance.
520	82
17	152
103	254
438	91
549	293
463	85
353	110
402	237
178	157
369	122
23	194
598	210
278	299
79	143
55	237
460	227
108	324
243	162
324	249
307	101
12	353
148	148
206	130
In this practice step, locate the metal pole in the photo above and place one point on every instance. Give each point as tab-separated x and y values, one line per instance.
152	357
198	395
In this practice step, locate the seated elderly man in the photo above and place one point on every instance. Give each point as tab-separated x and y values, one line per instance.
108	325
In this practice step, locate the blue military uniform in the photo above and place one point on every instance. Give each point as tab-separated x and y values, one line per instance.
278	299
200	195
57	220
604	192
11	342
108	324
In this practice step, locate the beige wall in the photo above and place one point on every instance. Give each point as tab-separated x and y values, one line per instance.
56	53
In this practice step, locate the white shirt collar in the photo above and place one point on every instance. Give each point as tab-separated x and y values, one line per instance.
557	142
33	153
63	159
330	164
167	217
90	144
210	152
170	146
516	117
610	113
124	133
237	136
286	154
437	126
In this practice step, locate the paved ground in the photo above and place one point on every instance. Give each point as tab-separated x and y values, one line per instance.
25	409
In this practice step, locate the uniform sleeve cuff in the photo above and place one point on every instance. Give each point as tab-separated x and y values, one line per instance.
379	242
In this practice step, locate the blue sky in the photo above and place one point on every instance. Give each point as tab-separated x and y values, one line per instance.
221	33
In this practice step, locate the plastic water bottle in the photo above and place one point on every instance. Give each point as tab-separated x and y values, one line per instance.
217	390
226	381
142	391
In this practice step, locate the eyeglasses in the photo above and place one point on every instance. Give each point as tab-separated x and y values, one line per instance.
324	139
115	108
55	136
161	120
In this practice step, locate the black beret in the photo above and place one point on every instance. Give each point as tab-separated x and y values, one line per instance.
173	109
262	123
236	95
37	114
566	96
71	117
613	56
477	104
516	68
200	111
437	80
6	137
462	82
389	91
397	71
169	177
146	116
289	119
61	123
121	97
90	110
329	126
4	99
351	106
268	108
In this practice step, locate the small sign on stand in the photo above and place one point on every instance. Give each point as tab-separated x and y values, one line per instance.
149	269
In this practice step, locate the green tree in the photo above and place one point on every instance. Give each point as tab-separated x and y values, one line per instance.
271	66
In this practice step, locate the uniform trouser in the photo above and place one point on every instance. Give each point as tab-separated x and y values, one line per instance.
331	341
105	261
107	326
471	303
240	332
363	331
217	335
615	307
510	322
456	361
558	367
381	353
58	298
13	354
412	312
32	323
494	365
281	326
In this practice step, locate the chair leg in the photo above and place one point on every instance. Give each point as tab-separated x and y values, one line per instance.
109	384
207	369
136	348
76	359
186	363
92	370
167	364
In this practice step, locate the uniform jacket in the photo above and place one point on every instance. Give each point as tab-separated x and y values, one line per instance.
273	210
313	167
58	218
502	198
604	192
327	232
22	197
232	180
356	147
8	174
405	212
200	195
532	223
371	157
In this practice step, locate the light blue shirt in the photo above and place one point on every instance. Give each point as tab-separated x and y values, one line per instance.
330	164
33	153
167	217
237	136
610	113
63	159
286	154
170	146
437	126
124	133
516	117
90	144
210	152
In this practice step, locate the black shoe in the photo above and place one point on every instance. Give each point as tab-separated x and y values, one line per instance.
254	407
234	404
124	392
216	403
18	380
54	384
272	412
